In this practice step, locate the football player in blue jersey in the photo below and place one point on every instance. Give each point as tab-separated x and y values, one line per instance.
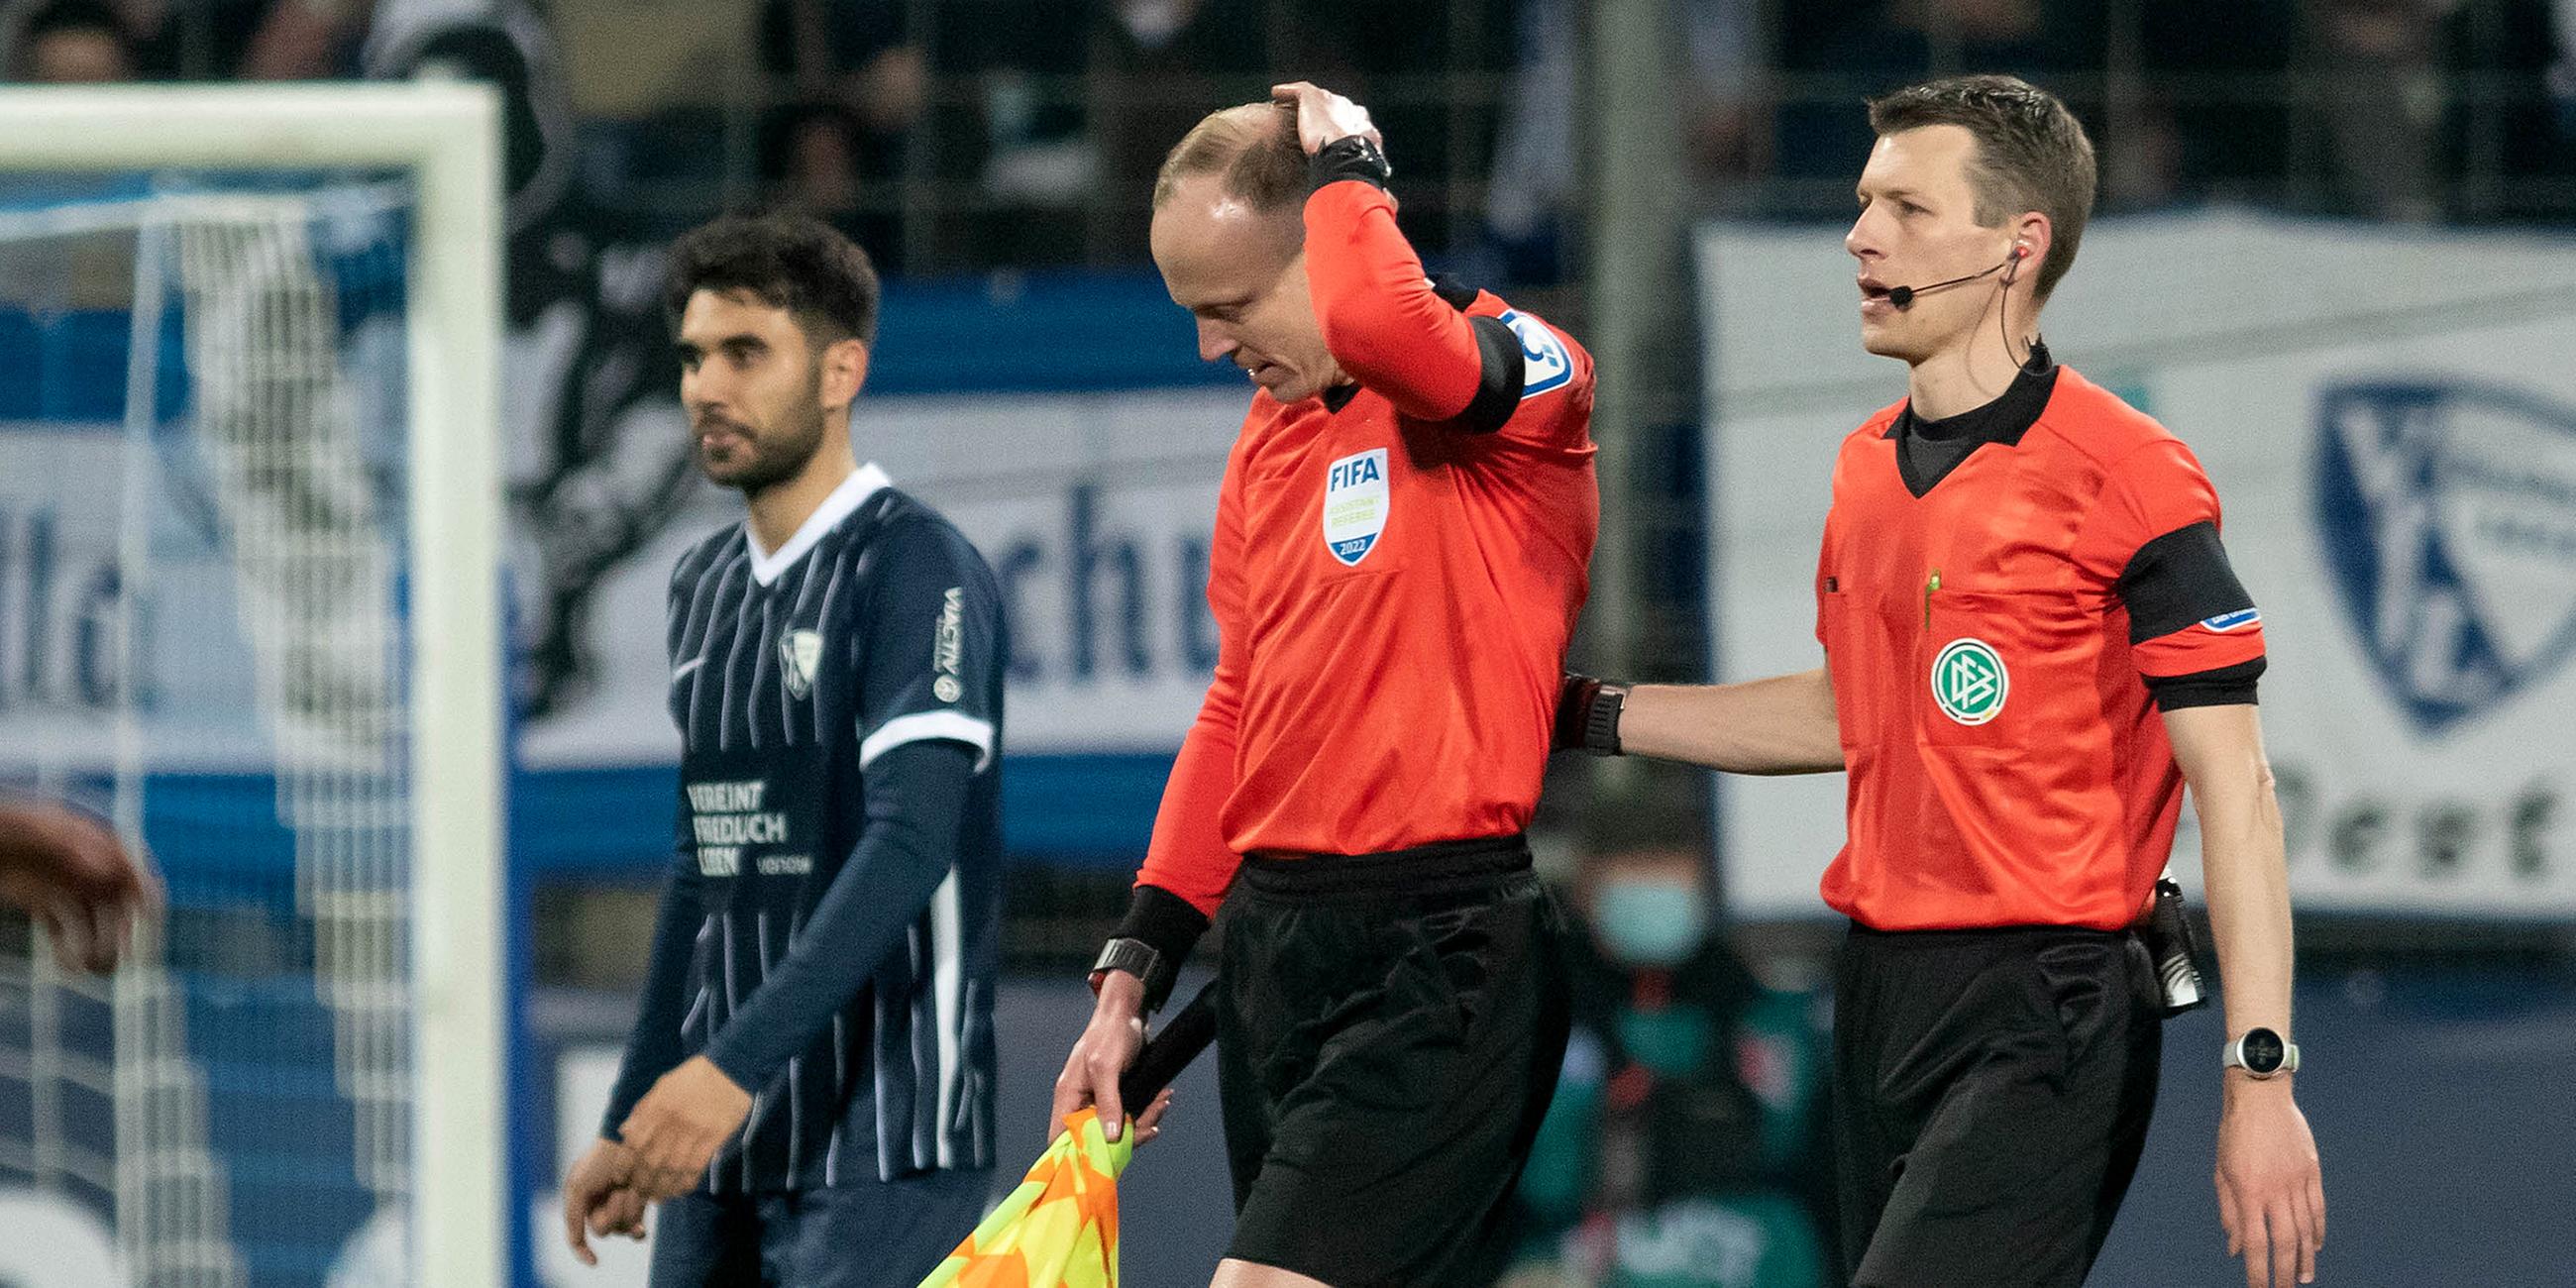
808	1088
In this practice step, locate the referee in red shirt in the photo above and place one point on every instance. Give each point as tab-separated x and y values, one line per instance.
1400	552
2032	641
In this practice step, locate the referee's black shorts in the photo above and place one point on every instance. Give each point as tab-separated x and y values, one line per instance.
1991	1094
1388	1038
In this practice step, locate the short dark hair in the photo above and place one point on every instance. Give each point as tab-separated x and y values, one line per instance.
76	15
1253	149
793	262
2032	153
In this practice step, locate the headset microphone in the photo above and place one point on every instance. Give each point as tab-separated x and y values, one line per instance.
1903	296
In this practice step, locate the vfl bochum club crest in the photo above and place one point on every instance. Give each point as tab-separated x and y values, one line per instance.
799	654
1355	504
2448	516
1969	682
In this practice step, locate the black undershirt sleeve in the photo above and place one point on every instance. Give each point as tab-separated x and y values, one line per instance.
2227	686
2172	583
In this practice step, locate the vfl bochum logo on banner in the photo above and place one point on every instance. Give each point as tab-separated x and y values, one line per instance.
1355	503
1969	682
2448	516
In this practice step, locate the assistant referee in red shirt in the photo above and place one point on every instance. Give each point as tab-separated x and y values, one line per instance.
1400	553
2032	640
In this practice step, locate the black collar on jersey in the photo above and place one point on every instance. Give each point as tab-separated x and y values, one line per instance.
1340	396
1928	450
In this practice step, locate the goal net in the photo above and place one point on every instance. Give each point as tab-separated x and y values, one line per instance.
247	614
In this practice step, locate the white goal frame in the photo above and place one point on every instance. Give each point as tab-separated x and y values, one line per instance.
447	136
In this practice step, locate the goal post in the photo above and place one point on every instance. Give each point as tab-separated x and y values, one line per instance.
446	137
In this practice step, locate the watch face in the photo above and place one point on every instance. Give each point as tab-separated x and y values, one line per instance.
2262	1051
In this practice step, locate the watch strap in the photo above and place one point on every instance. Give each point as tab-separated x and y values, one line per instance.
2232	1056
1601	719
1137	958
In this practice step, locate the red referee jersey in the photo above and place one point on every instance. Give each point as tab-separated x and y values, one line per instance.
2006	764
1393	592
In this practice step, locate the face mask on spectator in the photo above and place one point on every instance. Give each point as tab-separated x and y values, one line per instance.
1649	921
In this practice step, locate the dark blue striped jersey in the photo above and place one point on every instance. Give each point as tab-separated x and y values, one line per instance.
876	626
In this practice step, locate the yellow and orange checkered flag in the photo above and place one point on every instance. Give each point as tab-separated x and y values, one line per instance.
1059	1229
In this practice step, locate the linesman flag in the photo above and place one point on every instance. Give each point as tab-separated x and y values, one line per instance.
1059	1229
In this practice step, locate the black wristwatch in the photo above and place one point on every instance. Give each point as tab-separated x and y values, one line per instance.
1137	958
1587	715
2261	1053
1350	157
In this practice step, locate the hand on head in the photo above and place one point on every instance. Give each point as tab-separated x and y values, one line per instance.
1324	117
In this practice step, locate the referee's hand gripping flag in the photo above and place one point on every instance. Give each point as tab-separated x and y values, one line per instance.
1059	1229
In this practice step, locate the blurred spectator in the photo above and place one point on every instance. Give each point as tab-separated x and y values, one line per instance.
2562	69
1065	111
1682	1149
2371	110
197	39
1533	193
2510	116
2417	110
2215	72
1156	66
1837	53
852	88
304	40
71	42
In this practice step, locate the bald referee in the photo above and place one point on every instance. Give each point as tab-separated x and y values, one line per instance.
808	1091
2033	639
1401	542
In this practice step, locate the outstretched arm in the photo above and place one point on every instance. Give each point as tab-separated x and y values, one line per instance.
1781	725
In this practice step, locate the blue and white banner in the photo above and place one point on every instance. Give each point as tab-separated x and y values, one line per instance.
1095	510
2390	419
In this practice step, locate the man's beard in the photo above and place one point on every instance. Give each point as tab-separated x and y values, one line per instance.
773	458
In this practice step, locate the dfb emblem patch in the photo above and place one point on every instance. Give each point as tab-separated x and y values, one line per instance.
1355	505
2448	516
798	656
1970	681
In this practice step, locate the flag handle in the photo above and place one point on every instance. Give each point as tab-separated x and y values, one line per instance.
1168	1052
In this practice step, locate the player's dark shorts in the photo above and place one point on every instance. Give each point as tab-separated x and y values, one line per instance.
1388	1038
1991	1094
867	1235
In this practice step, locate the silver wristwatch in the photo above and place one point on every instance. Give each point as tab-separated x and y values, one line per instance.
2261	1053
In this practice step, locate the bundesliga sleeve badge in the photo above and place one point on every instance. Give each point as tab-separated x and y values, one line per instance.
1546	365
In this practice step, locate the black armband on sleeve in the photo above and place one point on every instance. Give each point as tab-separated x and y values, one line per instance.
2177	579
1501	375
1348	158
1168	924
2227	686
